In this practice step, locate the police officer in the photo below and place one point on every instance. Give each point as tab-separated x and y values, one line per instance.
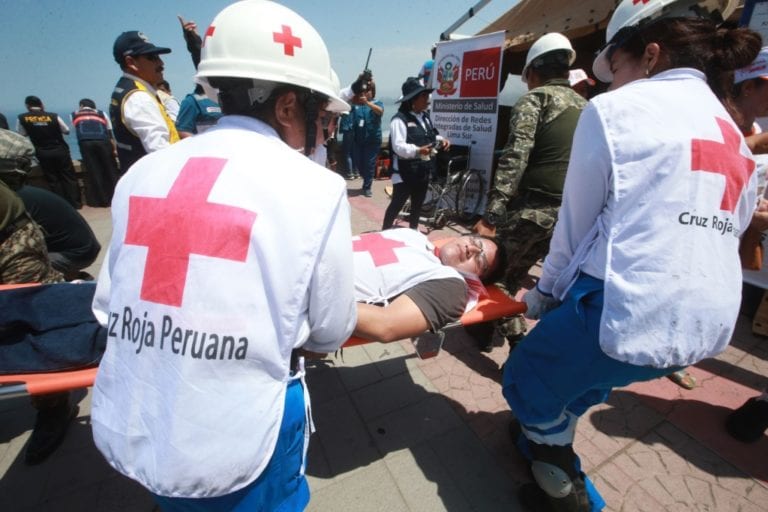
97	147
528	185
46	130
141	124
199	250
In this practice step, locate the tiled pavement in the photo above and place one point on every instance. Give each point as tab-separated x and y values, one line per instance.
396	433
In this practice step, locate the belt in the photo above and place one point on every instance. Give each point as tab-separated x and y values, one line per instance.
21	221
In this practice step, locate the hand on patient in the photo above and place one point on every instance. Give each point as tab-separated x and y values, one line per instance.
538	303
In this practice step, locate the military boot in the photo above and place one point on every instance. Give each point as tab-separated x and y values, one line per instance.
560	486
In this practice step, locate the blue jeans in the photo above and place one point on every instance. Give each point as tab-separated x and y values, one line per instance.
347	141
364	159
560	368
49	327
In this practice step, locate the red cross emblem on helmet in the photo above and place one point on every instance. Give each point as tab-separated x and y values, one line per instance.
287	39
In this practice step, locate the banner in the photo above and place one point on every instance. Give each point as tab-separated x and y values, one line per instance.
466	77
755	16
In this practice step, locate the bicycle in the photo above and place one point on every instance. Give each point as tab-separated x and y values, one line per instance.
456	196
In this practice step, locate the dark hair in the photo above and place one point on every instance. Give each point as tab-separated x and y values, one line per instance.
551	65
502	260
698	43
33	101
86	102
235	97
164	83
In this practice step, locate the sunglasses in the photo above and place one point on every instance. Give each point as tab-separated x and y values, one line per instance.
152	57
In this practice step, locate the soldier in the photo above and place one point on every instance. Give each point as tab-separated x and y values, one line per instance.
526	193
23	254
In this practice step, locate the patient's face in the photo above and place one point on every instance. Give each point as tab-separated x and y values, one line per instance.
472	254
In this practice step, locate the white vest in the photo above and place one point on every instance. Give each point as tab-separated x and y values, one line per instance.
669	231
390	262
190	393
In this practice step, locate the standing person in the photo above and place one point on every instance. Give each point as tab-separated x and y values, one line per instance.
168	100
425	73
625	293
347	142
414	142
197	113
365	117
210	413
528	185
140	122
46	130
97	147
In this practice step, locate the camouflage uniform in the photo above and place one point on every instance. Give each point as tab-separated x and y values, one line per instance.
528	185
23	254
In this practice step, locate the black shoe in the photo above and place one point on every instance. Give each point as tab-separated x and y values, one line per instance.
534	499
367	192
748	423
51	426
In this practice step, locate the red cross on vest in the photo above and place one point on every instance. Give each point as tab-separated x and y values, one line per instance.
208	33
635	2
381	248
287	39
724	158
185	223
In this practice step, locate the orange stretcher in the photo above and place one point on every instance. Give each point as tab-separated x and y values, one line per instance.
491	307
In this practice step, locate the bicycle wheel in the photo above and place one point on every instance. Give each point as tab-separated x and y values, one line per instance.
469	195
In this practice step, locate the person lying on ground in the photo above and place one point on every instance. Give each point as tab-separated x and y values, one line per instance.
420	287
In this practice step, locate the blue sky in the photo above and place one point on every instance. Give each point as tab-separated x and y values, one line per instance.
61	50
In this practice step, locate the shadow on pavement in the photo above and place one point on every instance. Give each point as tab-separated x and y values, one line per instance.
701	426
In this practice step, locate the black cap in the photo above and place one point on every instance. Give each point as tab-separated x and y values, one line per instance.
134	43
413	86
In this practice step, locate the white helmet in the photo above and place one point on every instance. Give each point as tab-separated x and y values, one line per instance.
270	44
550	42
631	13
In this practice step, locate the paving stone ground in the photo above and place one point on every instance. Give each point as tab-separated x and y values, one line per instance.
397	433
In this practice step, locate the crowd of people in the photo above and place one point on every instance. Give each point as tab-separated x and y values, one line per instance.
606	191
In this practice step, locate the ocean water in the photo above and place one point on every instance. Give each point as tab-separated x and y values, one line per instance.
70	139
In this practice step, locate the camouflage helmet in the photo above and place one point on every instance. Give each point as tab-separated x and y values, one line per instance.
16	154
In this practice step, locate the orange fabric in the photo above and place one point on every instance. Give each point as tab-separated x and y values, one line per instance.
43	383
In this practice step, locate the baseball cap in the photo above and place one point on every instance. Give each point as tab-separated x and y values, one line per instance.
758	68
133	43
579	75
